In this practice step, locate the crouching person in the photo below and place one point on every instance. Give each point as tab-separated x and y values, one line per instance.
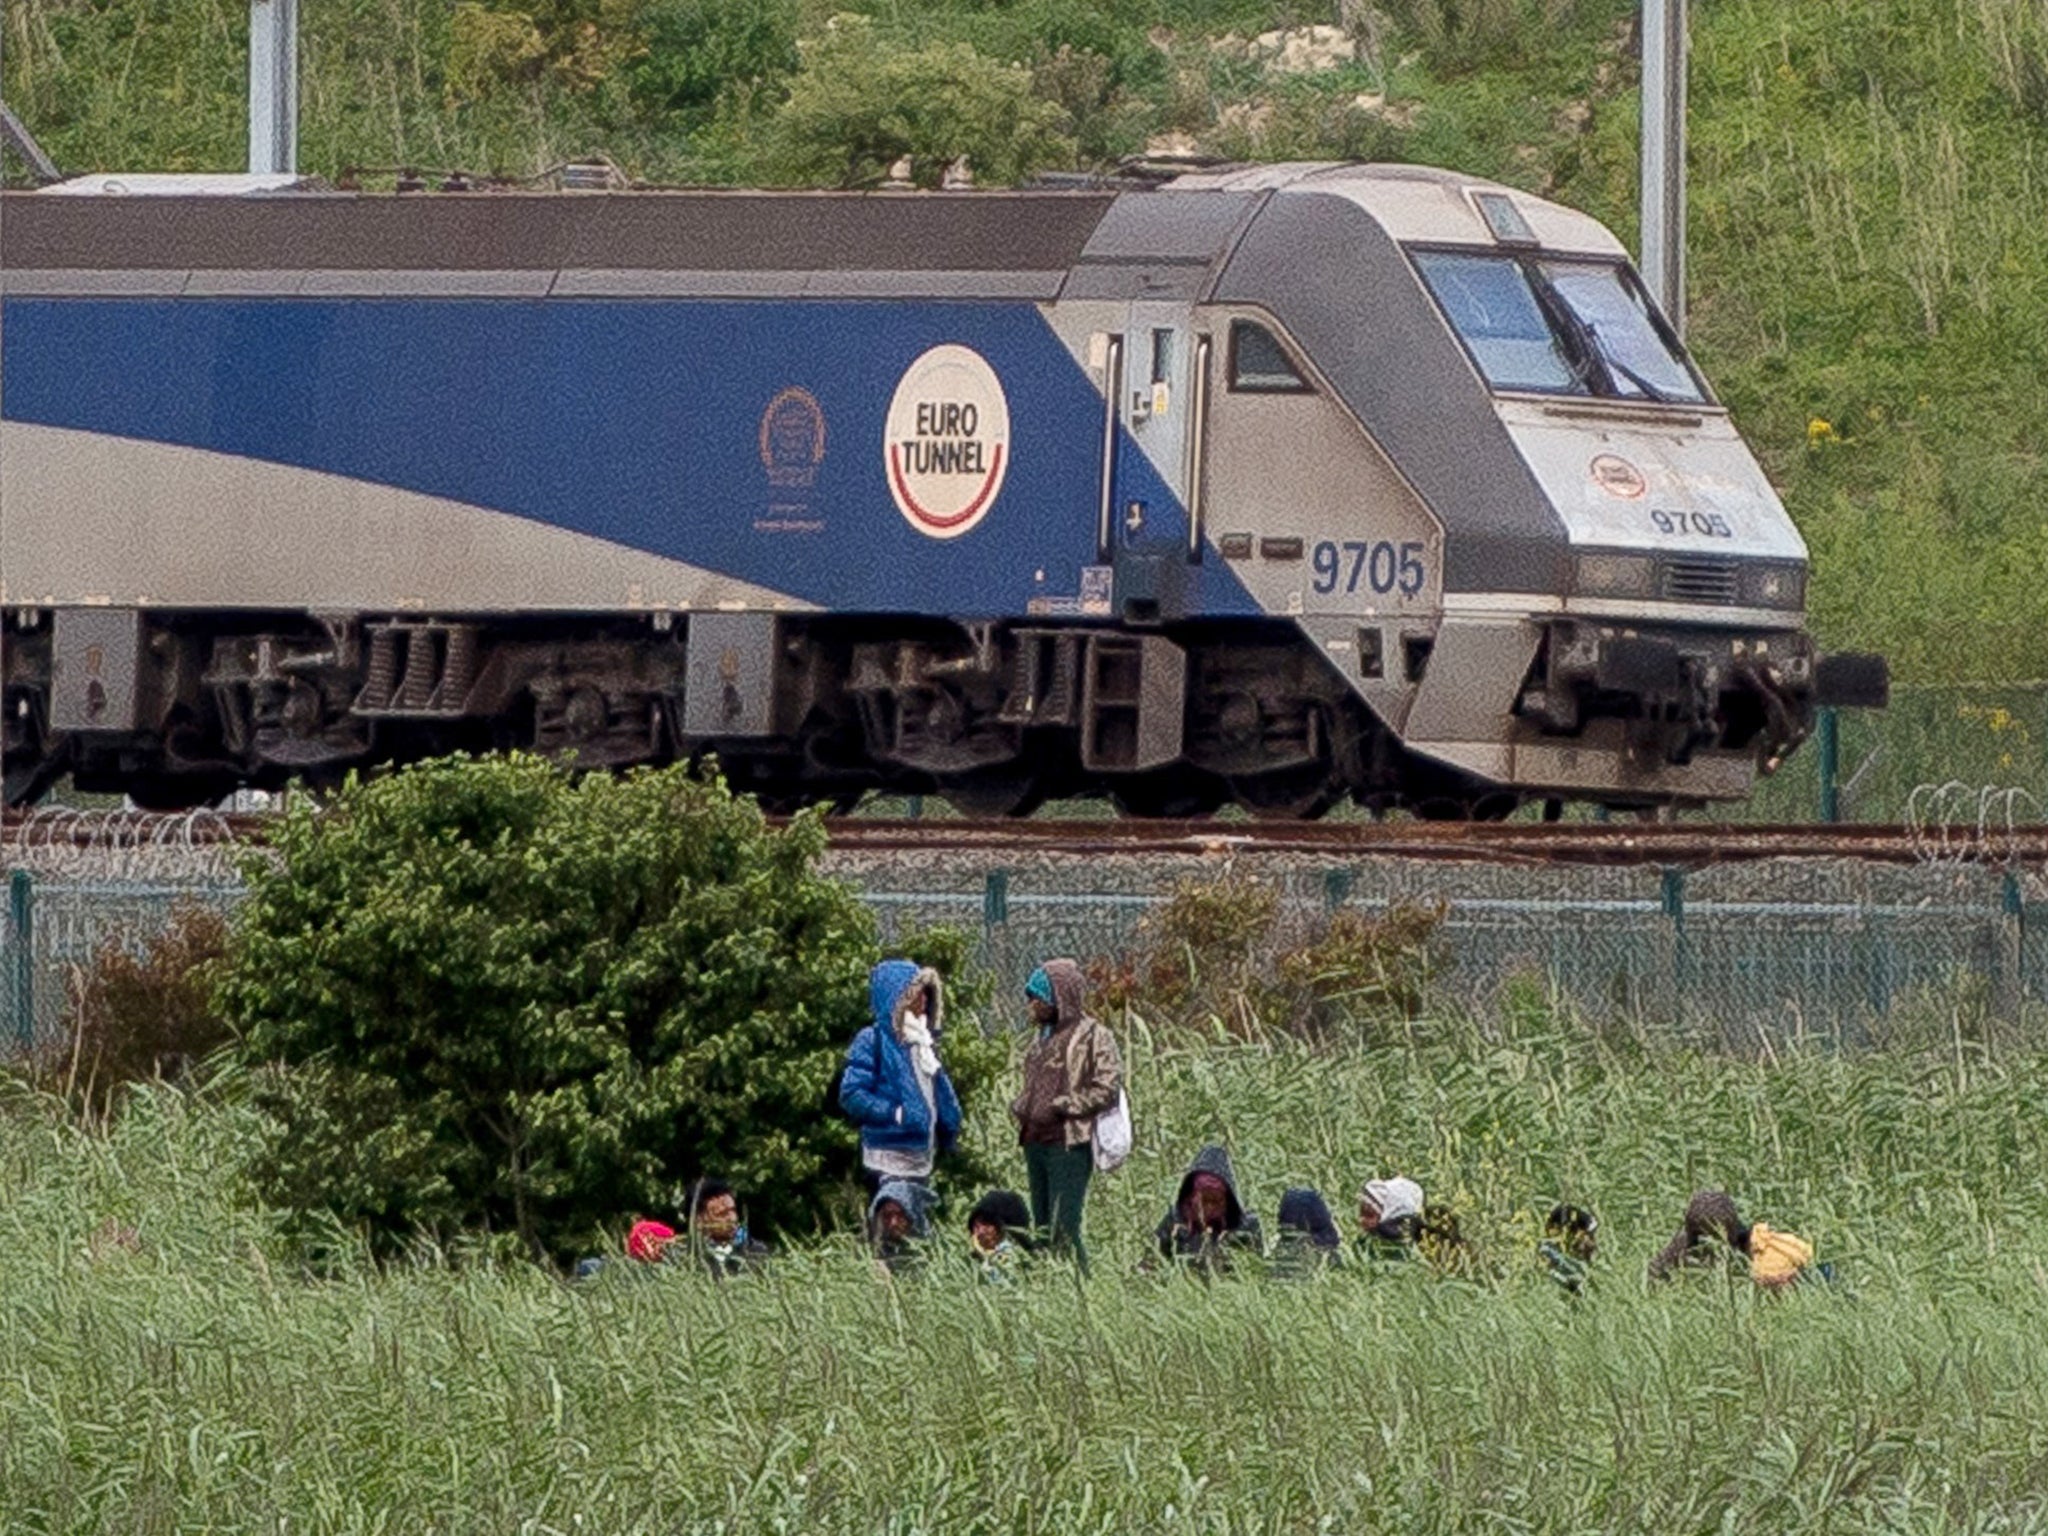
999	1235
1714	1231
1389	1220
719	1241
1072	1073
899	1224
1308	1242
1570	1237
894	1085
1208	1224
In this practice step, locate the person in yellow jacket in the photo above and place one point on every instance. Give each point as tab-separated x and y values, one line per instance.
1777	1259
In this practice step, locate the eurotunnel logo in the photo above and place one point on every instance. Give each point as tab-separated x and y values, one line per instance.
1617	477
792	439
947	441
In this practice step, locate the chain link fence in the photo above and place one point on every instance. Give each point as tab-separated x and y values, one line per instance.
1741	953
1867	764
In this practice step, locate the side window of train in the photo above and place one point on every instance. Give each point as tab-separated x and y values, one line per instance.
1259	365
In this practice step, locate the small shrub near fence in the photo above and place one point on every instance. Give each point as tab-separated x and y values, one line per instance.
134	1015
1217	953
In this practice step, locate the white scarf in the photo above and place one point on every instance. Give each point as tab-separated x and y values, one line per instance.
917	1034
1395	1197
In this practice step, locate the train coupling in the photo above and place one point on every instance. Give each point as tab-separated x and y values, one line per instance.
1681	692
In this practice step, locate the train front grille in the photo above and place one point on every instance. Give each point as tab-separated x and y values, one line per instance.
1698	581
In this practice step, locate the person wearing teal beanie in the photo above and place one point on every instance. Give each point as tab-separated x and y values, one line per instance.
1072	1074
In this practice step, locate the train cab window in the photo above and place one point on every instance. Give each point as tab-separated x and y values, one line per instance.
1558	327
1258	364
1162	356
1493	307
1640	363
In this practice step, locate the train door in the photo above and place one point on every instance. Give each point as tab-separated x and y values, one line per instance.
1151	535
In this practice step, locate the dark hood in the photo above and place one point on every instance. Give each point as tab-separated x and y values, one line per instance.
1710	1216
1003	1207
917	1201
1216	1160
1305	1211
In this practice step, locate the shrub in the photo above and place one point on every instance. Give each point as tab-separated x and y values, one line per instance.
1368	965
484	995
136	1015
858	107
1217	952
695	51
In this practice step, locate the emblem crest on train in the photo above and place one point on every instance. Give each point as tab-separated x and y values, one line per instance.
947	441
1617	477
792	438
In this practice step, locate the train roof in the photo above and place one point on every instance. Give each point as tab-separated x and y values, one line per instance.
104	235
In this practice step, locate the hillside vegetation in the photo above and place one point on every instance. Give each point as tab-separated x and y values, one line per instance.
1869	282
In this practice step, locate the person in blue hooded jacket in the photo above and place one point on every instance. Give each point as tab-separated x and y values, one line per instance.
894	1085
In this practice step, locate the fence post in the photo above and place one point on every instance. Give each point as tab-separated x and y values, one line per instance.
914	807
21	983
995	917
2008	984
1677	973
1828	724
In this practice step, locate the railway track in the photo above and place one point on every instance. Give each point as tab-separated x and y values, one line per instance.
1685	843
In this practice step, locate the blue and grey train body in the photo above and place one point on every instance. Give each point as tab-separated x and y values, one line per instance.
1274	486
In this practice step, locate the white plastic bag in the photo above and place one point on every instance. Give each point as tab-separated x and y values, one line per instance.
1112	1134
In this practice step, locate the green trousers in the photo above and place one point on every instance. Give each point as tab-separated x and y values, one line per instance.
1059	1188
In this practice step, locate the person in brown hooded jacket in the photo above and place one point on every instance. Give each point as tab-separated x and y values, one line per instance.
1072	1073
1713	1228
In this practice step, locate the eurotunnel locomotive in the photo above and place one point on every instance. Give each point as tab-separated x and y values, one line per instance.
1274	486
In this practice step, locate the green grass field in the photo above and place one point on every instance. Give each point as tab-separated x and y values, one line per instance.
201	1382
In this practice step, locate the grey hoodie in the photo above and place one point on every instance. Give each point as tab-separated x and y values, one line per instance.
1240	1227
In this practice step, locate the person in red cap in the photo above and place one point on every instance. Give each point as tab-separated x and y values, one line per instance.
646	1241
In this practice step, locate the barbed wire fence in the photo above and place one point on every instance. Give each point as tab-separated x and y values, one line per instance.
1867	765
1736	953
78	880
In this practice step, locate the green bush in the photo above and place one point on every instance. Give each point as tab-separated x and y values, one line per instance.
483	995
696	51
860	106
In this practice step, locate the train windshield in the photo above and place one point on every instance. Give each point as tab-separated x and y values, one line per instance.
1558	327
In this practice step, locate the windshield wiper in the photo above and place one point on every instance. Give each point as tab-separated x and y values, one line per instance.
1582	349
1615	365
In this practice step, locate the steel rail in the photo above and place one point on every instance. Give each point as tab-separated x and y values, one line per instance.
1621	843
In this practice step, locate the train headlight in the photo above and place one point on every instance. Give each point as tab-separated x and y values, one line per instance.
1616	575
1774	586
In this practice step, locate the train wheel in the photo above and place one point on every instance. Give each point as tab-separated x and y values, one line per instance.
1169	795
988	796
1296	795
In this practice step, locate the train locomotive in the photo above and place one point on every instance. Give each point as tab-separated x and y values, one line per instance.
1272	486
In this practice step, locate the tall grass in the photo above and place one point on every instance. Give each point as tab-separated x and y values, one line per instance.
193	1378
